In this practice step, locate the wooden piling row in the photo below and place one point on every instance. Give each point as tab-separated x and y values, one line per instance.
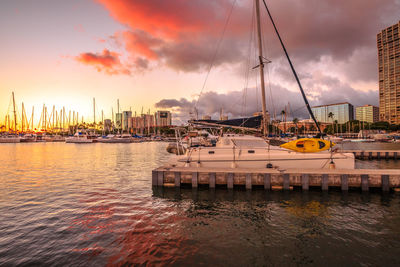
272	178
374	154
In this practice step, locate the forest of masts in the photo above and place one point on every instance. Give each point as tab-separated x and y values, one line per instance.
51	120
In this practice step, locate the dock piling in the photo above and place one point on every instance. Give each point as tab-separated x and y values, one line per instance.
345	182
177	179
286	182
229	181
325	182
154	176
211	182
305	181
267	181
248	181
385	183
194	179
364	182
160	178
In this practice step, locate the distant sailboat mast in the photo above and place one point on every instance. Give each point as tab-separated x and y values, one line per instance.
15	113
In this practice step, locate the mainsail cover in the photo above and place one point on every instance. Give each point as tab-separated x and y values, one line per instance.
253	123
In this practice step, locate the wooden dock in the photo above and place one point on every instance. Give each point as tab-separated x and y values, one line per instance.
364	179
374	154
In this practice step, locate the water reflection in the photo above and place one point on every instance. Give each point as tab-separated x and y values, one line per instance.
94	205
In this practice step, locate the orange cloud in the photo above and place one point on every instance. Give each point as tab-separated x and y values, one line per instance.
107	62
168	19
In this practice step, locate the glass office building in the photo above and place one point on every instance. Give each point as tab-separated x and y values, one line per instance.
342	112
367	113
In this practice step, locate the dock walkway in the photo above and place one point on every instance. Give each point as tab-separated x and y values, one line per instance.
385	179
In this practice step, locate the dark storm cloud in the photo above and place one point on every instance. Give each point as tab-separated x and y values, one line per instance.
240	104
183	34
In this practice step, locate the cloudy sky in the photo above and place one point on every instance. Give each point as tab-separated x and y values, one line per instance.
181	54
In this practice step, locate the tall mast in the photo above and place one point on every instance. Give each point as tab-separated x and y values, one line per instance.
54	114
94	112
33	112
15	113
45	119
260	58
23	117
120	117
102	119
63	119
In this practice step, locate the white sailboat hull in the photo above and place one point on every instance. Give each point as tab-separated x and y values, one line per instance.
78	140
10	139
260	159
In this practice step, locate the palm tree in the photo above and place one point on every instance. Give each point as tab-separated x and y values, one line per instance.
295	121
284	124
331	115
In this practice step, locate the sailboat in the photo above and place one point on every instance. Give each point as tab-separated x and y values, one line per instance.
246	151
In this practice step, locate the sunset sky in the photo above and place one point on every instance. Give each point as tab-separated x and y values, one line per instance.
156	54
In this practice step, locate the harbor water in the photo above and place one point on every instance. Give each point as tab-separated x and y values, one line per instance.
93	205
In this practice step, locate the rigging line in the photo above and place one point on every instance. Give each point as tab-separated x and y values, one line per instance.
266	49
248	61
293	70
216	51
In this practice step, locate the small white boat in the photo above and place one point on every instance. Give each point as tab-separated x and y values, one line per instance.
10	139
125	138
79	138
54	138
29	138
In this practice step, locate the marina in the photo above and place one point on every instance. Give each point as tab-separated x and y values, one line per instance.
249	133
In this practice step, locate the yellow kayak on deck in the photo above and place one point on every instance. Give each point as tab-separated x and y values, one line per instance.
308	145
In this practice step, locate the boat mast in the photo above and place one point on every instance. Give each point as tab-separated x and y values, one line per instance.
94	112
120	117
15	113
260	58
23	117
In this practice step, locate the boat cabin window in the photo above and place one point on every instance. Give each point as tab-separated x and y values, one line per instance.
321	144
250	151
300	144
211	152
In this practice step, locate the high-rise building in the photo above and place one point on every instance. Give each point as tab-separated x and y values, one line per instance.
118	121
341	112
163	118
107	125
126	115
367	113
389	74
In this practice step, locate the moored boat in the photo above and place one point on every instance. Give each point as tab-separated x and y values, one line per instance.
10	139
79	138
244	151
